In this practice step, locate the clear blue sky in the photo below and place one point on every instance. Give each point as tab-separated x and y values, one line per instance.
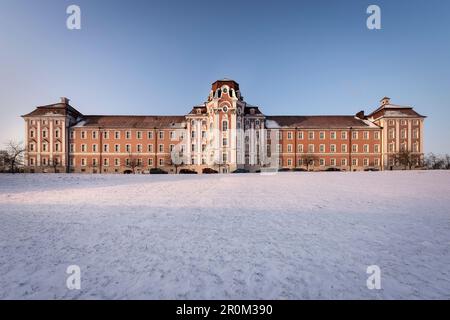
290	57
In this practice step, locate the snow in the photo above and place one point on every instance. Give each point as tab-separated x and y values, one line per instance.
238	236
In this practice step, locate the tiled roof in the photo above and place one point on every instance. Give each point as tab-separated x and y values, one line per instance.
132	121
393	110
323	122
54	109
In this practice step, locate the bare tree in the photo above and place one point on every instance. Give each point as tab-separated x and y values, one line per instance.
446	162
407	159
14	155
434	162
309	159
133	162
177	158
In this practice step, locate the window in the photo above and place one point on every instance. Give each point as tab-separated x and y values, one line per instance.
343	148
83	148
128	148
117	162
403	134
322	135
150	148
391	134
403	122
193	147
344	135
415	147
333	135
300	148
300	135
279	135
311	135
94	134
139	148
376	148
391	147
355	135
31	146
391	122
365	162
193	134
72	147
83	134
203	134
310	148
366	148
117	135
139	134
117	148
279	148
224	142
105	134
106	162
289	162
44	134
203	147
376	135
289	135
83	162
332	148
161	162
415	134
72	134
321	162
94	148
354	148
224	125
343	162
224	157
31	161
161	148
128	135
354	162
322	148
333	162
94	162
149	135
161	135
366	135
106	148
150	162
57	134
172	135
171	147
377	162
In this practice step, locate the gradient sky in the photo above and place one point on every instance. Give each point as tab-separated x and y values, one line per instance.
290	57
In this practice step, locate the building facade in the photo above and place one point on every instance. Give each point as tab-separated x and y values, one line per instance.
224	133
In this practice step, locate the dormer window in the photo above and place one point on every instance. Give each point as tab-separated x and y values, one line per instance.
199	110
252	111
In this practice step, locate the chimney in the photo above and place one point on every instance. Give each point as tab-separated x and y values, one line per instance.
65	100
385	101
360	114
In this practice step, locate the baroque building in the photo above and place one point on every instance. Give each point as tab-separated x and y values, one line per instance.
224	133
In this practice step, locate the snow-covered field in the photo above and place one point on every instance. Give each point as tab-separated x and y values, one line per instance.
242	236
